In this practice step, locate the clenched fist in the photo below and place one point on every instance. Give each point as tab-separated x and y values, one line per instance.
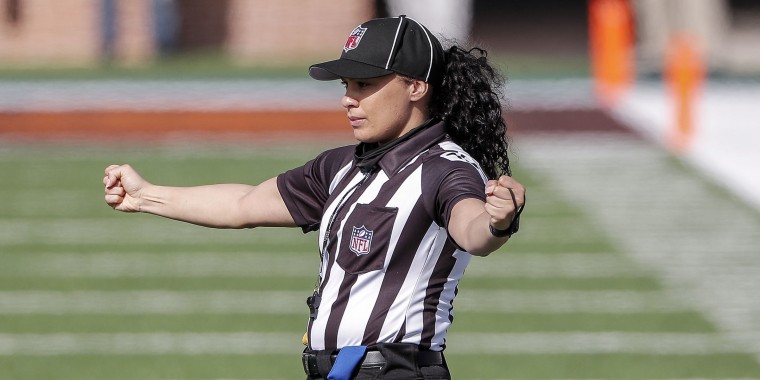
122	187
505	197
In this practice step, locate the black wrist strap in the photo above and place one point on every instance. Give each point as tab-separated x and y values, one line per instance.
515	225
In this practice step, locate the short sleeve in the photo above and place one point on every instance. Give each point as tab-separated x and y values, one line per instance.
305	189
448	180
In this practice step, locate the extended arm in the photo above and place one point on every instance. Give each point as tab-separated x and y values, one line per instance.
218	206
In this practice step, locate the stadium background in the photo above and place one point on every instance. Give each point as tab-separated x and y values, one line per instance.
638	256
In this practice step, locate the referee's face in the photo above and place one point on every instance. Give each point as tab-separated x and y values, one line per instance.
383	108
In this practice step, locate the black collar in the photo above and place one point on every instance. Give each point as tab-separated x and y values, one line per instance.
370	156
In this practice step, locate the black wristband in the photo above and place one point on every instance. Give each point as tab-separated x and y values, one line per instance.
514	226
499	233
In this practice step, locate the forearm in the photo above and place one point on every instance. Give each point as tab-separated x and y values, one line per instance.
478	239
469	227
217	206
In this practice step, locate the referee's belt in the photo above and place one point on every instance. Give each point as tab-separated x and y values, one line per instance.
317	364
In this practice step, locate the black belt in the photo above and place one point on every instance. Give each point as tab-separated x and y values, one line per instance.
371	359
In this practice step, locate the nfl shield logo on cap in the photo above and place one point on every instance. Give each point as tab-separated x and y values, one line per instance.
361	238
353	39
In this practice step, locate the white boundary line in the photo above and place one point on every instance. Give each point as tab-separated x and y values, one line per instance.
293	264
153	230
292	302
248	343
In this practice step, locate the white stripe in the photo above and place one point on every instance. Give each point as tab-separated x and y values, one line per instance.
395	39
254	343
600	343
430	43
305	264
445	301
329	294
87	231
151	302
568	301
366	290
152	230
460	155
363	293
400	308
361	301
332	207
149	343
339	176
404	199
332	287
562	265
415	322
292	302
325	218
182	265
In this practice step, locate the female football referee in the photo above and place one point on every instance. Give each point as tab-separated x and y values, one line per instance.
398	215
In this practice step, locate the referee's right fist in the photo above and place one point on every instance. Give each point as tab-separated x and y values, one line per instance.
122	187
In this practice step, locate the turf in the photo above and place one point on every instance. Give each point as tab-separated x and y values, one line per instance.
58	238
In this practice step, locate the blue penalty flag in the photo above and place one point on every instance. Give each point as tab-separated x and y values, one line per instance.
348	358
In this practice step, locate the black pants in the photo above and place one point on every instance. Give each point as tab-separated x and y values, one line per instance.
401	361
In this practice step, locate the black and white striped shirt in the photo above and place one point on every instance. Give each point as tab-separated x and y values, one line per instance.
389	270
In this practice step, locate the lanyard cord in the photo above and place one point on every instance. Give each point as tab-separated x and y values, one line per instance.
334	215
338	208
315	299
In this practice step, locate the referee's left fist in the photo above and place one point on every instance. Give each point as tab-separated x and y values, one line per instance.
503	198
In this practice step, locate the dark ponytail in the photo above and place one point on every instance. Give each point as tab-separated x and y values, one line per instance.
469	101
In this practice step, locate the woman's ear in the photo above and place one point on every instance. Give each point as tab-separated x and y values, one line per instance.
419	89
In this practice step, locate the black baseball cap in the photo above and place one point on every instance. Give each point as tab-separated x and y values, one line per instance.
383	46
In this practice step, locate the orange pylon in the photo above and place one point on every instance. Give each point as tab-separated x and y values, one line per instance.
684	75
611	39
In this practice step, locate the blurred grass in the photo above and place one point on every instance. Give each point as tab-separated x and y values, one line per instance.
58	210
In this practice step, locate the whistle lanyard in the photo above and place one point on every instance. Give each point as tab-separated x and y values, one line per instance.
338	208
313	301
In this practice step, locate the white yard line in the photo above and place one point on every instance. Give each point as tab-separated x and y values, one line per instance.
28	302
595	343
141	229
250	343
145	229
703	247
293	264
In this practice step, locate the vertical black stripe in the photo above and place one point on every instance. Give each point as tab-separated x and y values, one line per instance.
438	279
333	238
401	333
402	256
338	310
332	241
398	268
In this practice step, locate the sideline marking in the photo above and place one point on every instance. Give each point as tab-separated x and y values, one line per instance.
247	343
294	264
292	302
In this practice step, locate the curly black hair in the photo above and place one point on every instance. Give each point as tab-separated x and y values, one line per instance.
469	101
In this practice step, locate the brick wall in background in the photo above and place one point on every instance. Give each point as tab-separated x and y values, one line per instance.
72	32
293	29
35	32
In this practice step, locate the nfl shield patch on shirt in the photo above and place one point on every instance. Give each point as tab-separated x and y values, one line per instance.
361	239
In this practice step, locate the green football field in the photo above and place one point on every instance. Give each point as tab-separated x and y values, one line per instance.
89	293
